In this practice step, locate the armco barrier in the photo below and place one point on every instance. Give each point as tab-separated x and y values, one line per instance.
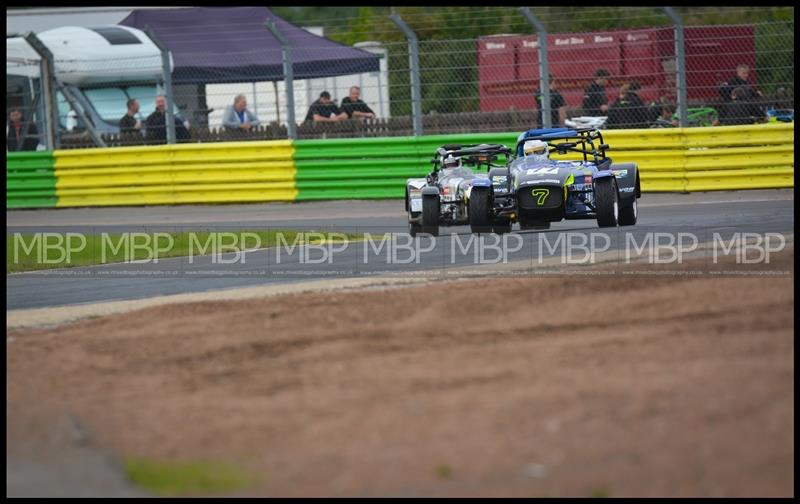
30	180
672	159
186	173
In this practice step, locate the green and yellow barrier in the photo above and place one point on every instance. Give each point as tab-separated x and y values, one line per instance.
185	173
30	180
670	159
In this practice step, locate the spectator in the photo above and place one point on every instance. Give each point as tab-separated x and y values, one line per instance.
661	114
130	126
595	100
781	99
739	80
354	107
558	107
325	110
20	137
740	110
628	111
238	116
668	114
156	124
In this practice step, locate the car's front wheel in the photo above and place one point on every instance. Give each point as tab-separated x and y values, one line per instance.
430	215
479	208
628	214
606	202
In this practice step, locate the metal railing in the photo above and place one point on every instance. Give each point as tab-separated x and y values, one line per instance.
665	72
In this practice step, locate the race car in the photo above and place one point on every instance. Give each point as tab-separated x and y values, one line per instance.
535	190
441	198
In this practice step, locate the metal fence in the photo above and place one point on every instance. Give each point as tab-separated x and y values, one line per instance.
664	73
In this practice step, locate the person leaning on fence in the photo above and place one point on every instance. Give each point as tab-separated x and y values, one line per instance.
558	107
17	130
628	111
156	124
354	107
325	110
739	80
130	127
595	100
238	116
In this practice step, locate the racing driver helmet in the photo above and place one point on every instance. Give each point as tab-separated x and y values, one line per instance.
536	150
451	162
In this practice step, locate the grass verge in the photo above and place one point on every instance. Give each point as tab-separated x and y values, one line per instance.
187	478
40	251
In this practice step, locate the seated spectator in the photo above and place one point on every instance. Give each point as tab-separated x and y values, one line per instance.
238	116
739	80
20	137
156	124
781	99
740	110
667	114
628	111
130	126
325	110
354	107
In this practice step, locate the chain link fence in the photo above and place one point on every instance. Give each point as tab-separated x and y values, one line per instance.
25	105
608	78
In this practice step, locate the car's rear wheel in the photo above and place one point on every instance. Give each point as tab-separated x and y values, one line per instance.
479	208
430	215
606	202
628	214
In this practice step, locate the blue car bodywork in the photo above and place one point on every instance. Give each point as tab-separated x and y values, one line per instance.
536	193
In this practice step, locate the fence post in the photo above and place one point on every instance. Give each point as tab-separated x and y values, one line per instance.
544	68
166	70
288	77
413	57
46	80
680	67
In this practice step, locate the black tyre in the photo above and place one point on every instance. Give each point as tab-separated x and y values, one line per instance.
502	227
606	202
430	215
537	225
628	214
479	208
414	228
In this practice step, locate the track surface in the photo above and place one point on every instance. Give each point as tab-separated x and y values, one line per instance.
699	213
629	387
